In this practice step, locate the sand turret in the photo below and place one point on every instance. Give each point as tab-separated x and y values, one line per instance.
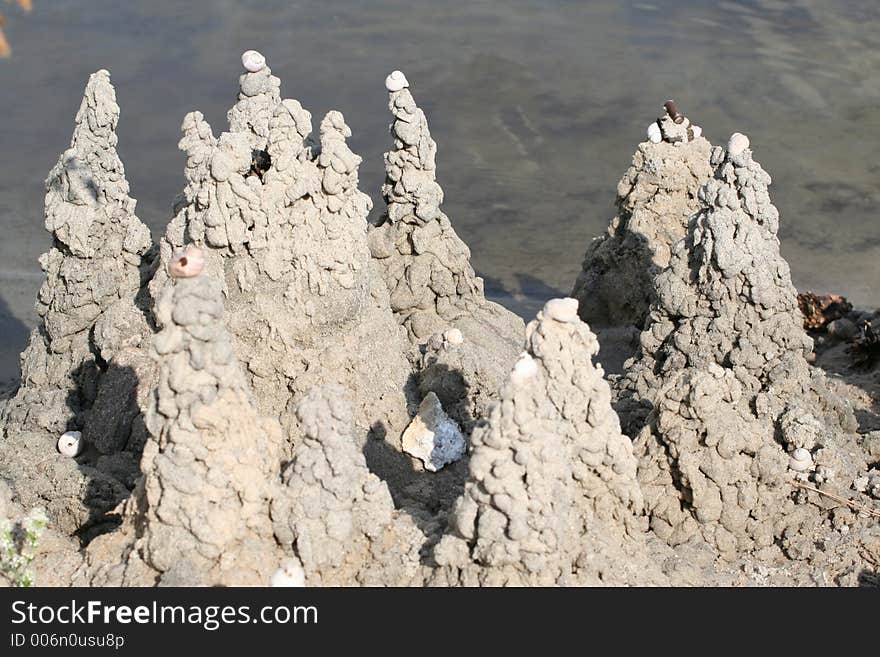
335	515
211	462
82	368
551	496
720	399
427	269
284	227
655	199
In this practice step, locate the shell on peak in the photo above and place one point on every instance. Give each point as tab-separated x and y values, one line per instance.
253	61
562	310
187	263
396	81
738	143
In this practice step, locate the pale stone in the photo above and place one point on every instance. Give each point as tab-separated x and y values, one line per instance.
434	437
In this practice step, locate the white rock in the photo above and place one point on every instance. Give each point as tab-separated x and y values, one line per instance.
396	81
453	336
562	310
654	133
697	131
737	144
524	369
800	460
71	443
290	574
253	61
433	437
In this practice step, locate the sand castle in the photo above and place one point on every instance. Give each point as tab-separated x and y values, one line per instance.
551	496
340	516
724	409
433	288
85	362
655	199
305	303
279	393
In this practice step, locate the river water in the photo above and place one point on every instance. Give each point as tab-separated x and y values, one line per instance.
536	108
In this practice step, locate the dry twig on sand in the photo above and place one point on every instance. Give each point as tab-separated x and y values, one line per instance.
852	504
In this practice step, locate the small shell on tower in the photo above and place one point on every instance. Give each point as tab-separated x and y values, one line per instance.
71	443
738	143
188	263
800	460
453	336
396	81
696	131
654	133
562	310
253	61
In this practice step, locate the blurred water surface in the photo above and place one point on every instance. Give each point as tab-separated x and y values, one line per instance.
536	107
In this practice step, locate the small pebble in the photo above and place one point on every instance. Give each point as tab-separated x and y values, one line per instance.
654	133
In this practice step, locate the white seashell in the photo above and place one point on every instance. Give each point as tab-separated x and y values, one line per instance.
562	310
396	81
290	574
71	443
253	61
654	133
188	263
524	369
738	143
696	131
453	336
800	460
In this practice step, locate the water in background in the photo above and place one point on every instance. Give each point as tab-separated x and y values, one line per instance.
536	108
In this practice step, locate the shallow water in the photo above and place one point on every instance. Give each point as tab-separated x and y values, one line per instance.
536	108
